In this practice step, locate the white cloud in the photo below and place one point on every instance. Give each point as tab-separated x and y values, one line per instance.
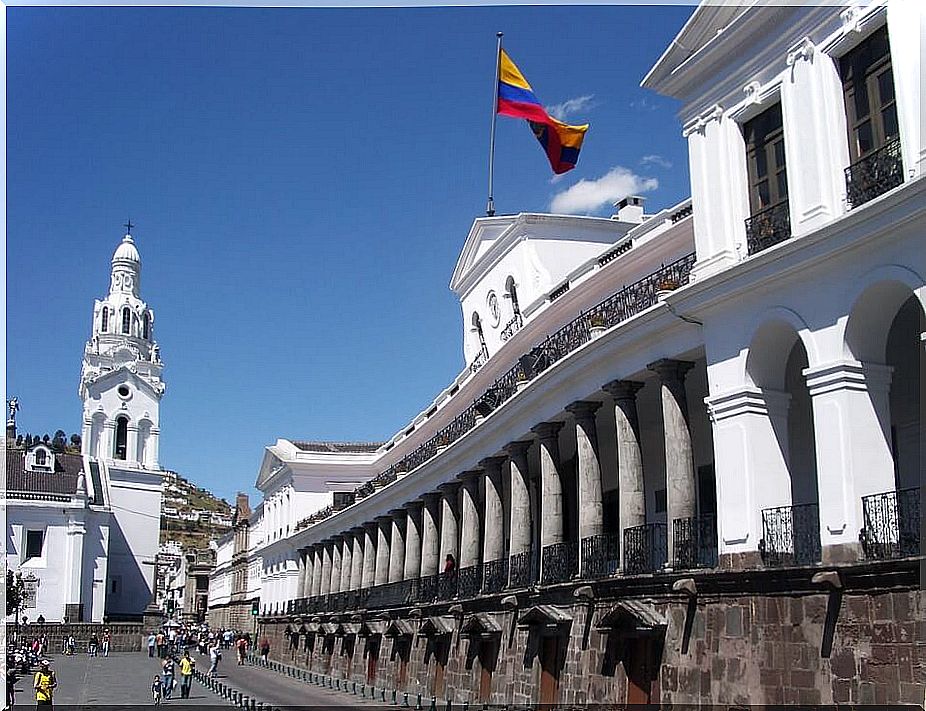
570	106
643	104
589	196
656	160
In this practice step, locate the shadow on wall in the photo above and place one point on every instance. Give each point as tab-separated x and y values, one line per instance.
128	592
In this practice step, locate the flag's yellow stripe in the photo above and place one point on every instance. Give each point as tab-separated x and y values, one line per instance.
510	74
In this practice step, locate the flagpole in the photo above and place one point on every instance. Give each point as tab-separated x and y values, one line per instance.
490	207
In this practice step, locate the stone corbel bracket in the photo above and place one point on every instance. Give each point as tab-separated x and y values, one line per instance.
753	92
851	19
802	50
699	124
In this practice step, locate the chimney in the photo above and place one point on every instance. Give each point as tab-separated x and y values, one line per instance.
242	506
630	209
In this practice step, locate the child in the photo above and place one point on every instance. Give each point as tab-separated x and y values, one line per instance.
156	690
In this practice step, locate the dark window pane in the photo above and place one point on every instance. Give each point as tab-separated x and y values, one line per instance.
780	154
861	100
34	543
761	164
763	193
886	86
864	138
782	185
889	120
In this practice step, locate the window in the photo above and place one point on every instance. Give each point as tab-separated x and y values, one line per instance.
765	159
35	541
868	84
512	293
104	325
40	457
122	432
146	326
126	320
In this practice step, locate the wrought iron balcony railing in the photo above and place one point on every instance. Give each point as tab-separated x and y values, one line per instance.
447	585
469	581
645	548
891	524
482	357
768	227
512	327
494	576
694	542
559	562
601	555
874	174
791	535
522	572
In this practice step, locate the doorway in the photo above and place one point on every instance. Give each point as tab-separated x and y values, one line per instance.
372	650
551	662
640	665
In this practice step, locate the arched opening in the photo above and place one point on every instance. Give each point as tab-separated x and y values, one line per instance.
104	320
126	320
885	327
146	326
788	471
122	436
40	457
482	352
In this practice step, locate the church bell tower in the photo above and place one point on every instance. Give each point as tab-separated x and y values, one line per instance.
120	381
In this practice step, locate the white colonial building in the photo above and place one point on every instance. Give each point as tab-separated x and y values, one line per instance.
84	528
681	440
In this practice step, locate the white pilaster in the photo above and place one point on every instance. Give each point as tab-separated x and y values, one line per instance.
906	27
851	416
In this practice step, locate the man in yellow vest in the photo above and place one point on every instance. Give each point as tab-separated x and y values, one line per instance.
44	684
186	674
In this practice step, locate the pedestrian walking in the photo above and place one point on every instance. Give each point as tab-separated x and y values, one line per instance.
152	641
44	684
264	650
159	642
11	678
167	677
70	646
93	645
157	690
215	656
242	646
107	638
187	664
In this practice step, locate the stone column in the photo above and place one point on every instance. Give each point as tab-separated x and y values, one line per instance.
430	534
680	479
73	575
301	567
631	491
309	571
370	533
356	560
449	526
551	484
519	527
470	547
326	568
591	508
413	541
347	545
397	546
493	537
383	535
317	570
335	586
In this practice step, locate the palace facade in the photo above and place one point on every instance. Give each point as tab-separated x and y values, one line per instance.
684	461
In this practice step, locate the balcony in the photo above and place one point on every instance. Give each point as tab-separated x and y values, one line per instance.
891	524
512	327
694	542
601	555
768	227
522	571
874	174
482	357
645	548
494	576
469	581
560	562
790	535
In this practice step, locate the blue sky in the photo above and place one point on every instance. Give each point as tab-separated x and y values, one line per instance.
302	182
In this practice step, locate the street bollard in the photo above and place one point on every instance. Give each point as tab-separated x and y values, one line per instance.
245	702
382	695
433	703
395	694
418	702
405	699
253	705
449	705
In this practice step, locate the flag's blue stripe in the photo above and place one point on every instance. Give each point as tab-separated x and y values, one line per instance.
514	93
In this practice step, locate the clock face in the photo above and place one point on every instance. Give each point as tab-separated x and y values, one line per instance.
495	313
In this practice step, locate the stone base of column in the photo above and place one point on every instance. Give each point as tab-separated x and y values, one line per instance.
842	553
739	561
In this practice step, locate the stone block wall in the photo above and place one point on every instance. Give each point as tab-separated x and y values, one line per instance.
126	636
738	649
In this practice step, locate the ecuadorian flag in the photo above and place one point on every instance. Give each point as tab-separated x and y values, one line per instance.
516	98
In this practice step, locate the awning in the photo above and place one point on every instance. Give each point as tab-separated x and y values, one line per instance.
312	627
632	616
351	627
330	627
544	615
481	624
397	628
438	625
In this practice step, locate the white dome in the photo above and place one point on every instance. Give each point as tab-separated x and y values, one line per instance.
126	251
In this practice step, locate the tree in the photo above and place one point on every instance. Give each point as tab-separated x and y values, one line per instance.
59	443
46	439
15	591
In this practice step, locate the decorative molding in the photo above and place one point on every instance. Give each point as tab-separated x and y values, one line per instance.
851	19
802	50
699	124
753	92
